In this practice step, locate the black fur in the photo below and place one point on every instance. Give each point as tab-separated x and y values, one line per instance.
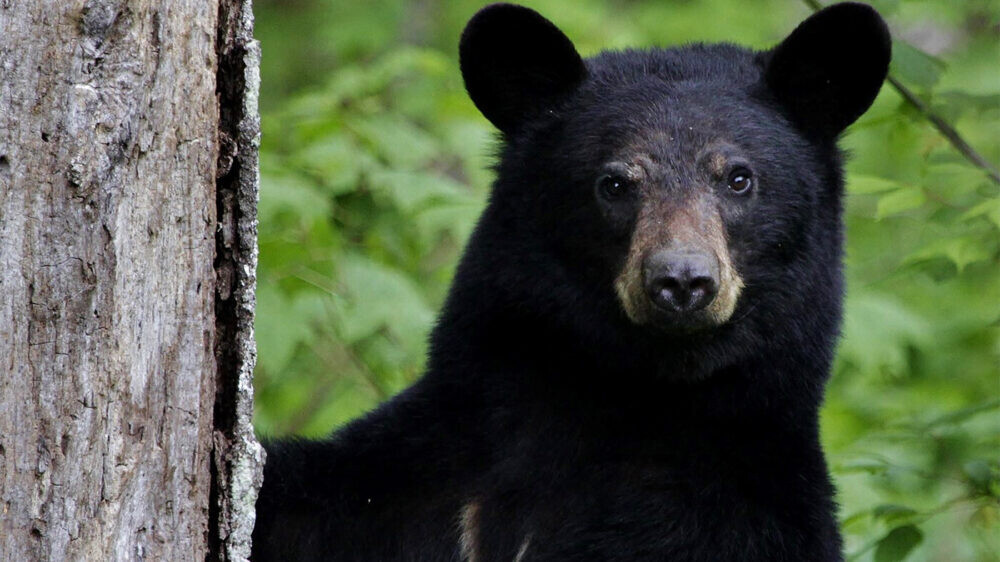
569	428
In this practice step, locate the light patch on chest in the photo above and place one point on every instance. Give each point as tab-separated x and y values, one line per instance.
524	548
468	521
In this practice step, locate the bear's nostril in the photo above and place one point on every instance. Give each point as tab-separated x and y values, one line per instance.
702	291
702	284
670	284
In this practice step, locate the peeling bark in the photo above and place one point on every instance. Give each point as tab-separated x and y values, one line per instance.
124	383
238	461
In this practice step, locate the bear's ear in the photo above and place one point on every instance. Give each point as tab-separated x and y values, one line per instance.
516	63
829	70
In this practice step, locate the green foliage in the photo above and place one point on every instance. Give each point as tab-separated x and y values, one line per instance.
375	167
897	545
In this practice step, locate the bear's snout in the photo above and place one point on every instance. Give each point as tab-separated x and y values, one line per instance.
678	281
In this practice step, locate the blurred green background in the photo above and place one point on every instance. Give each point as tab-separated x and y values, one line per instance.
375	166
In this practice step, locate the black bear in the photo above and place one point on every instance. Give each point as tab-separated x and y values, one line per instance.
631	358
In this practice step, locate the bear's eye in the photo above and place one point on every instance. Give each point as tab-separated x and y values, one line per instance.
613	186
740	181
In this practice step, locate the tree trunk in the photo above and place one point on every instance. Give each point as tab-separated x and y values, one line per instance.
127	252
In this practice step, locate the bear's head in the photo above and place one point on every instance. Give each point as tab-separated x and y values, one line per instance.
669	201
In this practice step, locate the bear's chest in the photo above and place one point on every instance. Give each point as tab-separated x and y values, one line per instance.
628	511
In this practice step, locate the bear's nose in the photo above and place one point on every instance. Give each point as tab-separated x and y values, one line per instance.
680	281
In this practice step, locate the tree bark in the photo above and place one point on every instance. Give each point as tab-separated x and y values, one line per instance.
127	255
237	465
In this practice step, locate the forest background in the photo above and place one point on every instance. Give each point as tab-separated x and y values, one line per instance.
375	166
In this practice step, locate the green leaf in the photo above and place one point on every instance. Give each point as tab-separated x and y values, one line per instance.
962	414
955	104
410	191
401	143
892	513
336	161
378	297
287	192
879	332
982	473
869	466
915	66
953	183
409	60
989	208
898	544
899	201
865	184
961	251
277	330
456	217
854	518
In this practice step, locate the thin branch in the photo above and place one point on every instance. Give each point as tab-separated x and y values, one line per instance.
946	130
943	127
